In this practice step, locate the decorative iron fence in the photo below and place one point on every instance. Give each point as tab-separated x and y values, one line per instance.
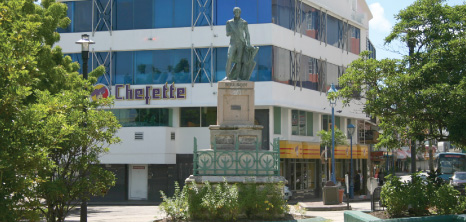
237	162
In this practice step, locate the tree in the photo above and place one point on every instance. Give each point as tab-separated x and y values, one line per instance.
326	139
43	123
423	95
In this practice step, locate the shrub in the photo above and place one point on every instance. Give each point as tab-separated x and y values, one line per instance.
393	196
224	201
415	191
212	202
262	201
448	200
417	195
175	207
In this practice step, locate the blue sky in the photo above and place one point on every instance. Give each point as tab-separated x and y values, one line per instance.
383	12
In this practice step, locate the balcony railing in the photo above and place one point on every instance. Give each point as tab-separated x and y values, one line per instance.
237	162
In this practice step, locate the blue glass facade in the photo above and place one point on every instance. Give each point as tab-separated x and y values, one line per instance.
162	66
174	65
150	14
205	65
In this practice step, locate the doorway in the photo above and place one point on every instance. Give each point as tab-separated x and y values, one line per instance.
138	182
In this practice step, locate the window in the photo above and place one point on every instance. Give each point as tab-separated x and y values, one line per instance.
198	116
174	65
333	30
327	122
277	120
301	123
143	117
283	13
355	40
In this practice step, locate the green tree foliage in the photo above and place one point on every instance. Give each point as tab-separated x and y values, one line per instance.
423	95
51	133
326	137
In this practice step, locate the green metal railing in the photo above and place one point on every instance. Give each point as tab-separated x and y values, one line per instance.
257	162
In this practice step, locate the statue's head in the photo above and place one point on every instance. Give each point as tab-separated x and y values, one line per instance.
236	12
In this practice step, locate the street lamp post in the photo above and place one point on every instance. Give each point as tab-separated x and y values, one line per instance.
84	42
350	129
333	103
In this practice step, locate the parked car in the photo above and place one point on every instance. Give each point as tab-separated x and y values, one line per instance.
458	180
287	193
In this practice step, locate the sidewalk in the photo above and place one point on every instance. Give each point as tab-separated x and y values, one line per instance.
129	212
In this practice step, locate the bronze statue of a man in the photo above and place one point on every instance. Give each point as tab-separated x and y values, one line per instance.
240	52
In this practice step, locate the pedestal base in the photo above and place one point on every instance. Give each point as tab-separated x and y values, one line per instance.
246	137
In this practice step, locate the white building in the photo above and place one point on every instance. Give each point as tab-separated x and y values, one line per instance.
165	57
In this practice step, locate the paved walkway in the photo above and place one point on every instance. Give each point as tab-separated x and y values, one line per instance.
123	213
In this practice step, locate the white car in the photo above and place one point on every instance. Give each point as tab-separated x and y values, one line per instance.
287	193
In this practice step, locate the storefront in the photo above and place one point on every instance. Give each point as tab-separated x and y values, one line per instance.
299	162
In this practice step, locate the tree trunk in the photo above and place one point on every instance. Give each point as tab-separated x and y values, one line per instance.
431	157
413	156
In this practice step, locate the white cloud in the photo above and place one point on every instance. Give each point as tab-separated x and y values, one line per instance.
379	22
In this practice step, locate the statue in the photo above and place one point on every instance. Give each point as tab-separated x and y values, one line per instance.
240	51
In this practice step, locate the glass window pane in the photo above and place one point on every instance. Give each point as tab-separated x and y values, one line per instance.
209	116
355	40
263	69
332	31
302	123
332	74
283	13
82	16
277	120
190	117
123	19
294	122
282	65
224	11
163	14
220	63
160	66
310	22
128	117
143	67
326	122
183	11
143	12
248	10
181	62
264	11
309	124
123	67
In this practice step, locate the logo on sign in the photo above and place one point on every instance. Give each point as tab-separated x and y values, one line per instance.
125	92
100	91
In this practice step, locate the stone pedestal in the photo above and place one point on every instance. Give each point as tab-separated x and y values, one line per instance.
246	137
235	117
235	103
